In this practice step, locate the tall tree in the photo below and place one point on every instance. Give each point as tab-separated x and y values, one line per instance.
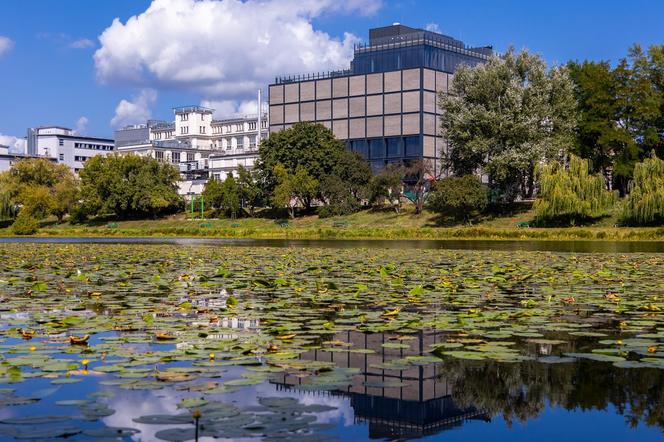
504	117
39	188
387	185
311	146
570	194
600	139
129	186
645	203
251	194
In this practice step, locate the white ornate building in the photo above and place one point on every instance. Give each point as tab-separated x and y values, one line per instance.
200	146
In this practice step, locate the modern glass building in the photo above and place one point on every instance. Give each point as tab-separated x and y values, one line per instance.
384	106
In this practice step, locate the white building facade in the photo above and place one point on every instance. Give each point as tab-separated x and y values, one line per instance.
64	146
200	146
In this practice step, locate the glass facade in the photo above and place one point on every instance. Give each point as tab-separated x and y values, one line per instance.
411	57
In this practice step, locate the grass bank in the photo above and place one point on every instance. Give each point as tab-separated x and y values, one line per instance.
368	224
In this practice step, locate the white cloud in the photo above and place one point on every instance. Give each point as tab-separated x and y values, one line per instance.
16	144
82	43
433	27
81	126
135	111
226	49
6	44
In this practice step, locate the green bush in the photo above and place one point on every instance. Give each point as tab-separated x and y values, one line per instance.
571	195
644	205
25	224
459	197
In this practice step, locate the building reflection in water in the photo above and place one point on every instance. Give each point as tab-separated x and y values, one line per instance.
396	404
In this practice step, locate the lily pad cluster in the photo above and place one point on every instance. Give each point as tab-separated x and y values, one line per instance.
207	321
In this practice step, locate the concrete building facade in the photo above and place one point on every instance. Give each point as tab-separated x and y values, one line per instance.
386	105
64	146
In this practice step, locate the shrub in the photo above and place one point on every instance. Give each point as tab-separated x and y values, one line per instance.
461	197
645	203
25	224
570	195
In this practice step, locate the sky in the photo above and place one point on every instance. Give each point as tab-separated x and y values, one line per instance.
98	65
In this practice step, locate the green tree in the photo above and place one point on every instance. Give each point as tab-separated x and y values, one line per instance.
213	193
599	138
293	188
645	203
621	112
231	196
251	195
570	194
338	197
65	198
310	146
355	172
129	186
37	187
460	197
387	186
506	116
638	110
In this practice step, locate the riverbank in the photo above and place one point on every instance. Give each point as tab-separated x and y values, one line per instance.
363	225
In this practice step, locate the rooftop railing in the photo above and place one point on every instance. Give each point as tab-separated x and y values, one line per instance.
314	76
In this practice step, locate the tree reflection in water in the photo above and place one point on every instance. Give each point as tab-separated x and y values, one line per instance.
521	391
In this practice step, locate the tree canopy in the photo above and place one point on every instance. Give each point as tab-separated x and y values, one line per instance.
621	112
37	187
129	186
570	194
506	116
645	203
310	146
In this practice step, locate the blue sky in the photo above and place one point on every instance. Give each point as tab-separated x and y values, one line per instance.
48	73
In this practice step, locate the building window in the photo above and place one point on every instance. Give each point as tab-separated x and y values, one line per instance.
252	142
239	127
252	125
184	117
394	147
184	130
61	157
413	146
175	158
263	123
202	129
377	148
159	155
227	129
240	142
229	143
61	142
190	156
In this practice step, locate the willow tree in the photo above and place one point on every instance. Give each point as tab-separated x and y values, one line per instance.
570	194
645	203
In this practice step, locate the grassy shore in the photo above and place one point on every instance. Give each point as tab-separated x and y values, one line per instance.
368	224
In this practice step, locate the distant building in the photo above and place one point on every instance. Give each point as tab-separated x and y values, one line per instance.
65	146
200	146
385	106
7	158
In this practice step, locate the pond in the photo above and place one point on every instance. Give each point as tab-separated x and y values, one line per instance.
176	341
